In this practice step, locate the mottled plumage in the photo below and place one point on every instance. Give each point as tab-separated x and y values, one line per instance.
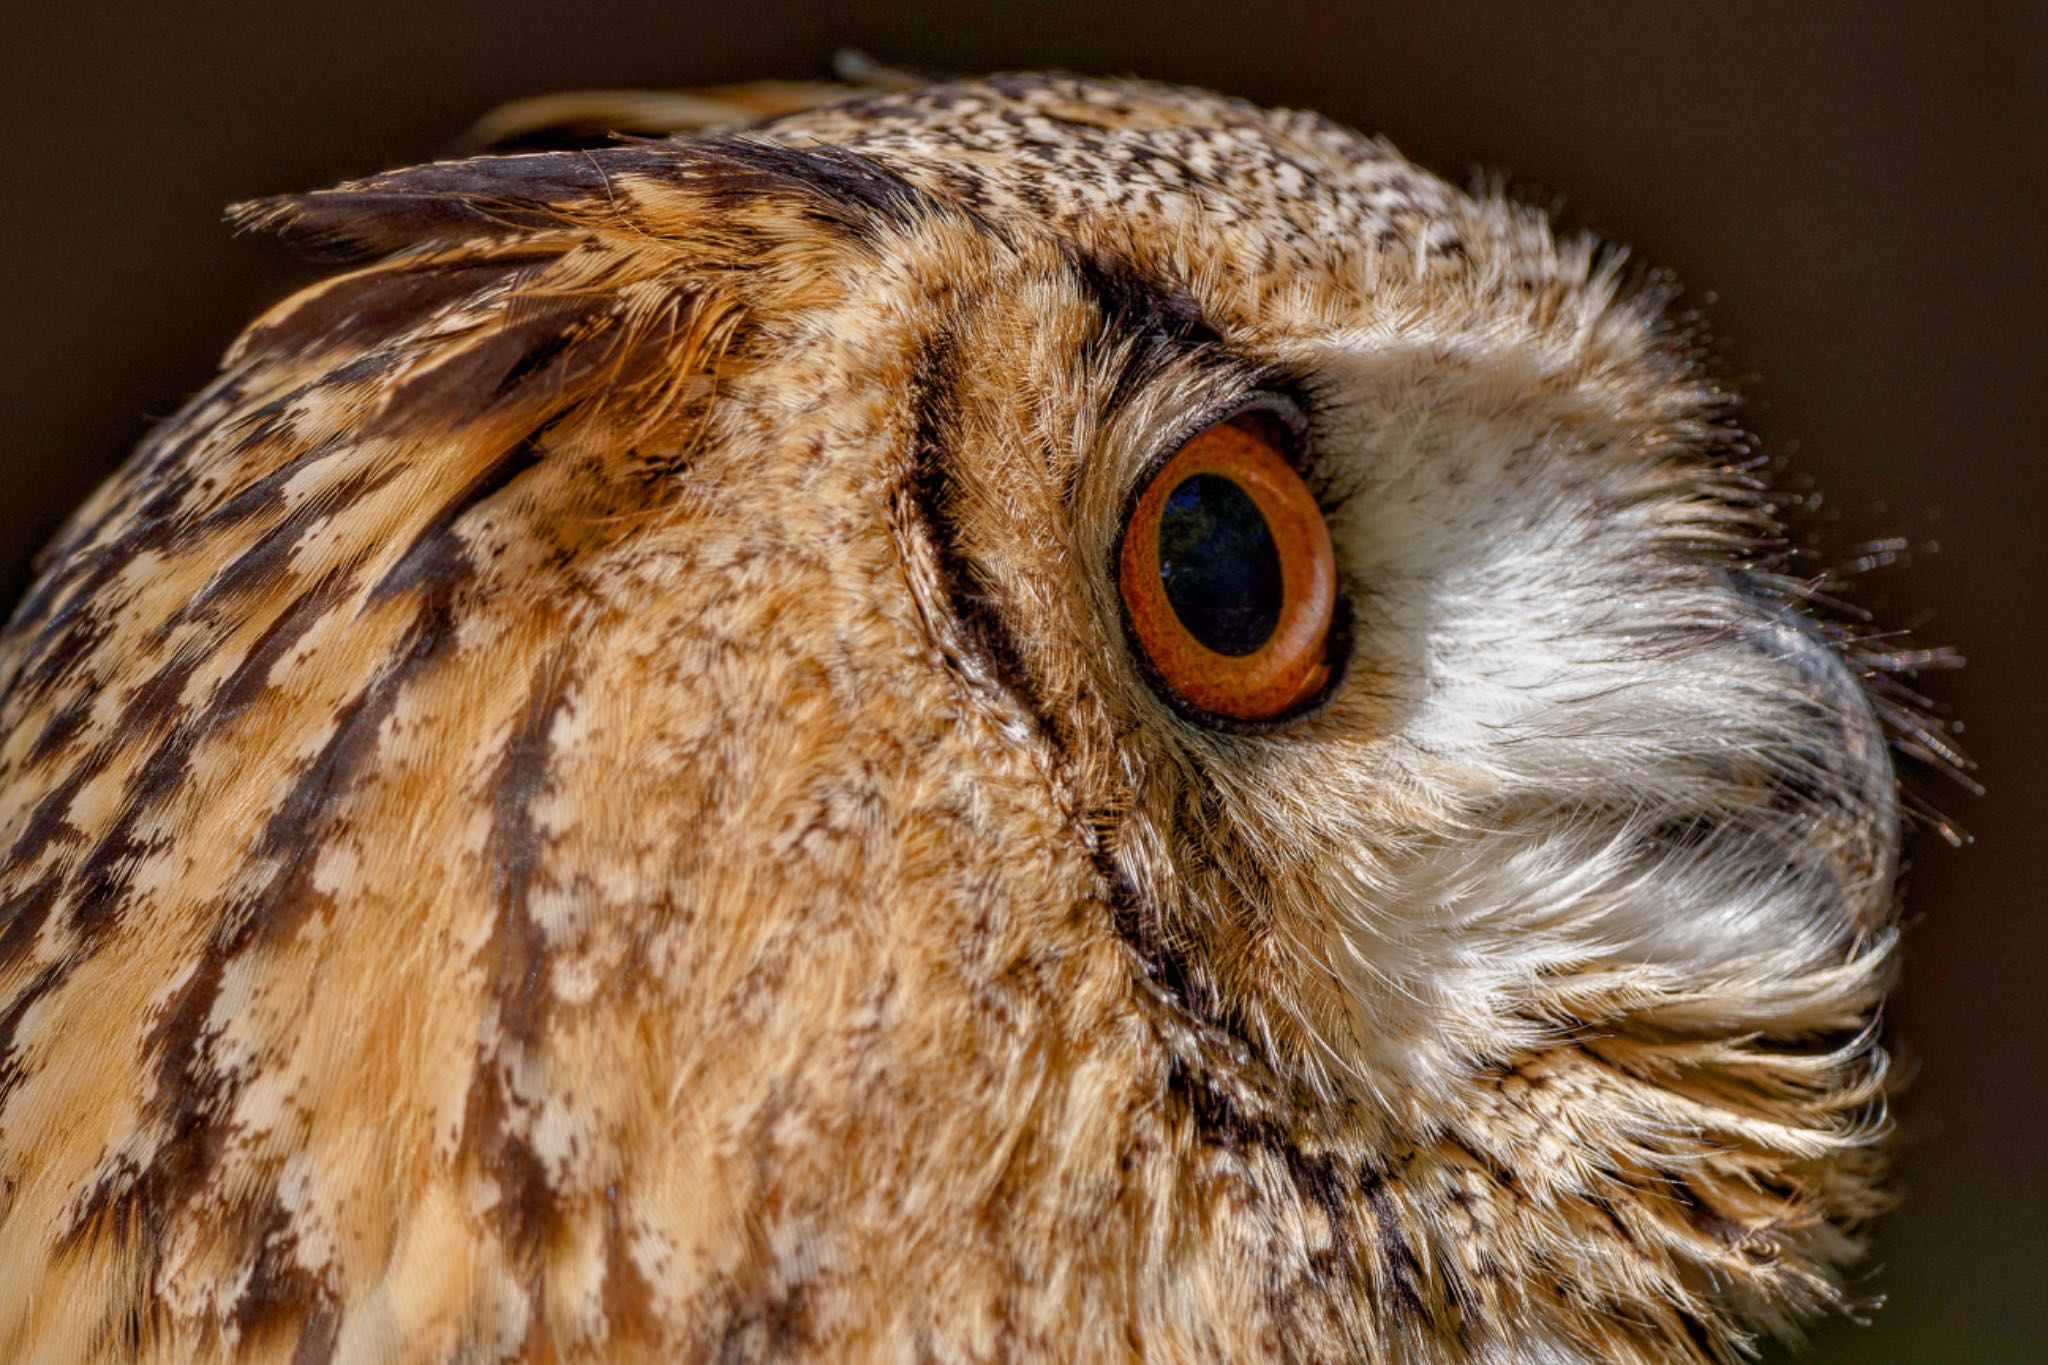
588	799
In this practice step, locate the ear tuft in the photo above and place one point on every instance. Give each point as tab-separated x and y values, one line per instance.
445	202
638	187
581	119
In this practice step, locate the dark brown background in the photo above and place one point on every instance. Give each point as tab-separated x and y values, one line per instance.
1856	198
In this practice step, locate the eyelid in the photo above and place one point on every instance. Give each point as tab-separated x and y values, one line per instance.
1289	418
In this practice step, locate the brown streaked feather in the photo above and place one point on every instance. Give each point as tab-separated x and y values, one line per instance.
585	800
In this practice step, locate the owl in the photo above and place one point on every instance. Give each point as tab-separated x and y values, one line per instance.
1021	719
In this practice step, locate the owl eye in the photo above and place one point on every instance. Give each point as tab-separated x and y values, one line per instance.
1228	580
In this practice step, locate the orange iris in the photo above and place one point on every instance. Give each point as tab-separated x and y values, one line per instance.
1228	579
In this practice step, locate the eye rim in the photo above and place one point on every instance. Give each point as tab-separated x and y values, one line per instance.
1283	426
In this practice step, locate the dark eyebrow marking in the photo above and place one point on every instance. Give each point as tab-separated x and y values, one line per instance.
1138	305
1147	325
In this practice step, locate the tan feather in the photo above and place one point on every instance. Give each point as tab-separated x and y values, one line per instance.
589	799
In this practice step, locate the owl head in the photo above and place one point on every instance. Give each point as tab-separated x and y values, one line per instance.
1034	718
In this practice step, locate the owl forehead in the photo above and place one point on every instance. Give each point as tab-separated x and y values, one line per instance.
1232	187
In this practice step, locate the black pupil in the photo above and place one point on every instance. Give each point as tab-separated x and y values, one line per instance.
1219	564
